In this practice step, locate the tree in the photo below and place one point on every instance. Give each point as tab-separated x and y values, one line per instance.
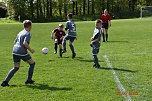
84	5
93	7
88	7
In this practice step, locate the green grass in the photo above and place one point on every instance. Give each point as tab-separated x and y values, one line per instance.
7	20
66	79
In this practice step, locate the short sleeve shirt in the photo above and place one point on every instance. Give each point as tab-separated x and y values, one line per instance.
19	48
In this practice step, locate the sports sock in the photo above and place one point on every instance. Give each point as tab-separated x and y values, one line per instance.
30	71
60	52
103	37
55	47
72	48
64	44
11	74
106	37
95	58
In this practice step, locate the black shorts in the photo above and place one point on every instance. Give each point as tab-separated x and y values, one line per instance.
17	58
59	41
105	25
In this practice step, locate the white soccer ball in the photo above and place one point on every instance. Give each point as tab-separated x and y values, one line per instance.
45	50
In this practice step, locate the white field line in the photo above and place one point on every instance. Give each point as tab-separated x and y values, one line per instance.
119	84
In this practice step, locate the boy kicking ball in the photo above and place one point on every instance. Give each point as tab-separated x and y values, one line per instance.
71	36
21	45
58	37
95	42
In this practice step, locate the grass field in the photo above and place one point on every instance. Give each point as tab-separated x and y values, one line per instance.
129	52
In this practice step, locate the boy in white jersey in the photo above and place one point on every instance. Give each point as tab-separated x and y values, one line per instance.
21	45
95	42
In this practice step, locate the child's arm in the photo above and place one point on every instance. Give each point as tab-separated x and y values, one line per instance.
28	47
52	34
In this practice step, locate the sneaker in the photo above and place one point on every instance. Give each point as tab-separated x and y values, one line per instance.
94	65
55	52
4	83
29	82
73	55
97	66
63	51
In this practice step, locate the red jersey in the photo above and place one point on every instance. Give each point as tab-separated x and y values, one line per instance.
105	18
59	33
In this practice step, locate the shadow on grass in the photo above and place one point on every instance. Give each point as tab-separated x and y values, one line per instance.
118	41
50	60
46	87
89	60
65	57
125	70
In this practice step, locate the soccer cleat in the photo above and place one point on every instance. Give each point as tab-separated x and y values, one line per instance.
73	55
4	84
29	82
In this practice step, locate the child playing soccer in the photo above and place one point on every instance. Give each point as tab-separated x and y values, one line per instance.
58	36
71	36
21	45
95	42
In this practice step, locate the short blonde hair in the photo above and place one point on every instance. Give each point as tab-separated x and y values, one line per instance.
27	23
61	25
98	21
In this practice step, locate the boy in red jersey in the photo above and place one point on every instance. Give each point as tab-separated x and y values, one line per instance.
58	35
106	19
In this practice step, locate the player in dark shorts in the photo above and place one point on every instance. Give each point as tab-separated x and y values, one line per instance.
71	36
59	35
106	19
21	45
95	42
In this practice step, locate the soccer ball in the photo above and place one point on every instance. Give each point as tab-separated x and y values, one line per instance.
45	50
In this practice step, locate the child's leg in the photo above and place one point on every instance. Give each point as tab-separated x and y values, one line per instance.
60	52
31	62
103	35
106	30
95	58
64	43
72	47
31	69
55	46
11	74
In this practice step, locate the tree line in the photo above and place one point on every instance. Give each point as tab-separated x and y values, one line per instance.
56	10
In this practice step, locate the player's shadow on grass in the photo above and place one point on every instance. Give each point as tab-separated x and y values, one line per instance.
51	60
124	70
46	87
83	60
89	61
118	41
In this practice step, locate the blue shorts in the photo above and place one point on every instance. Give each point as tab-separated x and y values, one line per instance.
17	58
95	51
70	38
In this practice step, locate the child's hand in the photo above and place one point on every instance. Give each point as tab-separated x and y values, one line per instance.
32	50
92	38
